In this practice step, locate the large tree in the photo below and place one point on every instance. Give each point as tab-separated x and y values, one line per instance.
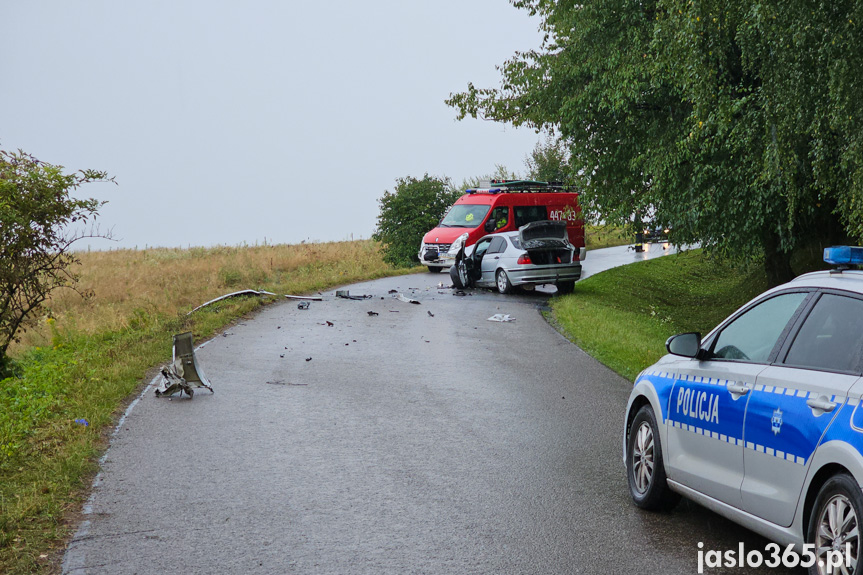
36	212
735	123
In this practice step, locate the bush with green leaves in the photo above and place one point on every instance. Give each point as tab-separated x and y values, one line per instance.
36	210
408	212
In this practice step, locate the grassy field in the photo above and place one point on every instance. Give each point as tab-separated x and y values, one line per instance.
87	357
623	316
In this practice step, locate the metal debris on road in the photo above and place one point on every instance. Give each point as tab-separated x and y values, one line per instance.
372	313
303	305
501	317
330	324
234	294
308	359
401	297
183	371
393	291
431	314
345	294
308	297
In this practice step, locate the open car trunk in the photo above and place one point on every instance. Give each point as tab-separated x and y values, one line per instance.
546	242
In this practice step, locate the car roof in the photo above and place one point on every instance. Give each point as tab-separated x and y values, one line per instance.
846	280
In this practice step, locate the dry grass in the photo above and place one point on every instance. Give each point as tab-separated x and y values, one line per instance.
162	281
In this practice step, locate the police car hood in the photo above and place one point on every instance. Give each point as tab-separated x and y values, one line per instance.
543	234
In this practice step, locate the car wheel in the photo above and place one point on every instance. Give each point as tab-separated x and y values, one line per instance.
435	269
458	275
564	288
835	522
503	285
645	469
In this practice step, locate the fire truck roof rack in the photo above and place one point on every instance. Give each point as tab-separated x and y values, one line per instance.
517	186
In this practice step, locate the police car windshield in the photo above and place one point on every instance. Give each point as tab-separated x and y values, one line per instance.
464	216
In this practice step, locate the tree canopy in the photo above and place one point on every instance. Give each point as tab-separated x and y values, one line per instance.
36	208
737	124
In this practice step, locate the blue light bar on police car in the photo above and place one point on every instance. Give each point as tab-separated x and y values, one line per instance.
843	255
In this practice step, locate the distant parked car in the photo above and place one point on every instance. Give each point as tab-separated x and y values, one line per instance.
538	254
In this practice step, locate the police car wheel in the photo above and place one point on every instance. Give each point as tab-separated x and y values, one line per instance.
645	469
835	523
503	284
435	269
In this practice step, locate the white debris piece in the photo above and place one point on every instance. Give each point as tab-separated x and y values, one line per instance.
501	317
400	297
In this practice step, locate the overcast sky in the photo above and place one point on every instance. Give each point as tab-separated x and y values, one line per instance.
232	122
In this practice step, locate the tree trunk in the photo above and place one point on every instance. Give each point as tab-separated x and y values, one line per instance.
777	263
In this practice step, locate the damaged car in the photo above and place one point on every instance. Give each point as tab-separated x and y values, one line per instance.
538	254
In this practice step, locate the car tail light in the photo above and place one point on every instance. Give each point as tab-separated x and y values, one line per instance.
523	260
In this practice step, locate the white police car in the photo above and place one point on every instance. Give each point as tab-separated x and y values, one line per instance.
761	421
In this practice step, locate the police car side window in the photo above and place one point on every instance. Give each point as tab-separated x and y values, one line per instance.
497	245
831	338
753	335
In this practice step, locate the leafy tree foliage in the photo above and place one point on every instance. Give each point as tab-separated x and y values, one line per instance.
735	123
549	161
408	212
36	208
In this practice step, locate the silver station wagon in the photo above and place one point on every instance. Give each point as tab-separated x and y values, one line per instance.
761	420
538	254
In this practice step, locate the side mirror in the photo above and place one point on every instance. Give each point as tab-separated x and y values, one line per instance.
684	344
489	225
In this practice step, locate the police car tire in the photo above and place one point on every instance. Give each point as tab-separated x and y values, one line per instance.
843	485
435	269
657	496
502	281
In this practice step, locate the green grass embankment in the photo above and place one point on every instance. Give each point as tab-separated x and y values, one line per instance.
623	316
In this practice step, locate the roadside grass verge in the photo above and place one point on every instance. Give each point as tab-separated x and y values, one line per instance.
623	316
605	236
88	356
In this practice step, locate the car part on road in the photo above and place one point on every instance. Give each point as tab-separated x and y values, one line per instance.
401	297
184	372
234	294
345	294
373	313
501	317
303	305
431	314
308	297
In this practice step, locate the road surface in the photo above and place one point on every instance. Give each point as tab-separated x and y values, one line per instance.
423	439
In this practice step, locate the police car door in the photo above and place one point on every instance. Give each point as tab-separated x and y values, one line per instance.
794	402
708	403
491	259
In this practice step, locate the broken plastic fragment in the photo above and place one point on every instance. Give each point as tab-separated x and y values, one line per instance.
401	297
372	313
501	317
236	293
303	305
83	422
431	314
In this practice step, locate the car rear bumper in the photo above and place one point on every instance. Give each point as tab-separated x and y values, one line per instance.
545	274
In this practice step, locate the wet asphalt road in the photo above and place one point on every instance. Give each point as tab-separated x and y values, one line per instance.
406	444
